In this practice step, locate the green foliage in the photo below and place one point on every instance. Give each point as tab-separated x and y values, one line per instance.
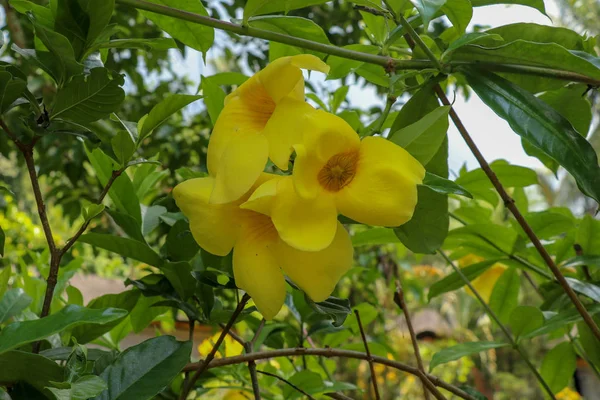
462	350
558	366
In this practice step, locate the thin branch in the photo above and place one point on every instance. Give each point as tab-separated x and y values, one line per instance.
203	365
386	62
331	352
252	369
427	386
257	333
504	329
579	252
234	335
290	384
415	36
371	365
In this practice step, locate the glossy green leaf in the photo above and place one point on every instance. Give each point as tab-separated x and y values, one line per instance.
100	13
196	36
525	319
454	281
12	303
374	237
462	350
423	138
505	295
35	369
87	387
579	261
89	98
261	7
123	147
180	244
586	288
130	226
43	15
214	97
121	191
20	333
124	246
542	126
459	12
142	371
428	9
537	4
126	300
60	59
558	366
444	186
10	90
162	111
180	275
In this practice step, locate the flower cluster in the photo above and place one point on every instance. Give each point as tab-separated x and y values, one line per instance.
287	223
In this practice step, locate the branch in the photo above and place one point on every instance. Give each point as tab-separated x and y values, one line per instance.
427	385
204	364
290	384
249	347
371	365
330	352
383	61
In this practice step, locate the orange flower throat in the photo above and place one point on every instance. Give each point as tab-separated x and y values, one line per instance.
339	171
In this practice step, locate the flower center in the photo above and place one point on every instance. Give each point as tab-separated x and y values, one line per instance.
339	171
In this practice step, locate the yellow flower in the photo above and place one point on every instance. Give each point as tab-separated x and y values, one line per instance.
372	181
231	347
242	138
568	394
258	253
484	283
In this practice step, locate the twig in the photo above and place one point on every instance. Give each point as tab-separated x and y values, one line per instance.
427	385
579	252
504	329
257	333
203	365
249	347
371	365
290	384
331	352
234	335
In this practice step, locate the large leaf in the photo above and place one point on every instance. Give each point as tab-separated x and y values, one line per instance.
454	280
542	126
124	246
89	98
589	342
10	89
423	138
525	319
428	9
100	13
163	110
505	295
537	4
445	186
459	12
43	15
561	320
12	303
196	36
586	288
20	333
462	350
558	366
214	97
142	371
34	369
60	60
260	7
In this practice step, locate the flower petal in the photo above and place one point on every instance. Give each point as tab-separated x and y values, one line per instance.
239	167
285	129
384	189
255	266
318	272
308	225
261	200
214	227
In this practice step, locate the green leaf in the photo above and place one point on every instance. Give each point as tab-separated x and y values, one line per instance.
454	281
2	239
89	98
260	7
310	382
87	387
180	244
142	371
92	210
462	350
196	36
588	236
505	295
337	309
459	12
469	38
100	13
130	226
586	288
151	218
377	27
589	342
374	237
503	237
12	303
423	138
60	59
10	90
340	67
368	313
558	366
444	186
180	275
537	4
43	15
525	319
214	98
121	192
162	111
123	147
20	333
542	126
34	369
157	44
579	261
561	320
124	246
126	300
427	9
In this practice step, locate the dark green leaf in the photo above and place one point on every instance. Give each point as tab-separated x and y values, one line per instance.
525	319
444	186
123	147
42	14
505	294
454	281
196	36
589	342
151	218
337	309
12	303
124	246
100	13
180	276
142	371
470	38
2	239
162	111
180	243
462	350
20	333
36	370
130	226
89	98
156	44
87	387
61	59
558	366
10	90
